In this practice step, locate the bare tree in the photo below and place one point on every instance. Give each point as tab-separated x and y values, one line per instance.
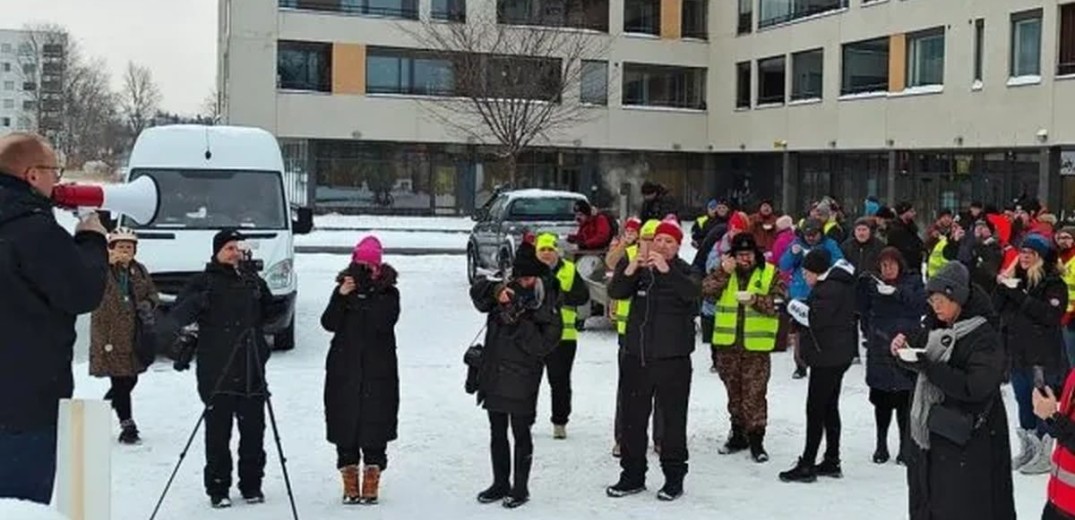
93	128
506	85
211	108
140	98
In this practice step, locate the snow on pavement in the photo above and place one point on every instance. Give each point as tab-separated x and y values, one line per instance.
393	222
441	459
390	239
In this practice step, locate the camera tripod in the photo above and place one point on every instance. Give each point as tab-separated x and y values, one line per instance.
246	341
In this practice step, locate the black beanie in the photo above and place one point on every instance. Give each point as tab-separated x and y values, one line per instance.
526	262
583	207
817	261
225	236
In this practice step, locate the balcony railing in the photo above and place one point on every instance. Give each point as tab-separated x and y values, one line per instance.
804	11
406	9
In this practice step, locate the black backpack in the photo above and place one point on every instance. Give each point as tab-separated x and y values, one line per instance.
613	224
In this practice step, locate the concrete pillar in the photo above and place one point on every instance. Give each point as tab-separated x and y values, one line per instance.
893	165
1049	178
790	182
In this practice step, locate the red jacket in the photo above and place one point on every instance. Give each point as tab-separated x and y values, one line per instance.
594	234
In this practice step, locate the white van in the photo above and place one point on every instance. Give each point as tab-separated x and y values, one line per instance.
212	178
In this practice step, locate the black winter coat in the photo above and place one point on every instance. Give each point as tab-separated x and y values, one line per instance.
46	280
661	206
904	236
862	256
1031	322
361	371
230	307
514	353
952	482
984	262
888	316
831	340
663	308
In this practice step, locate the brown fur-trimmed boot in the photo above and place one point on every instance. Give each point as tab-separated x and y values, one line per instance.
351	493
371	482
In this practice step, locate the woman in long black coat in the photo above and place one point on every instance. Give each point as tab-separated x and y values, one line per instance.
523	326
362	376
892	304
947	480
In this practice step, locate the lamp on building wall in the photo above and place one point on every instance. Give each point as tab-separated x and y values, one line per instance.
832	144
742	146
577	143
709	147
1043	135
781	144
958	140
677	147
356	135
891	143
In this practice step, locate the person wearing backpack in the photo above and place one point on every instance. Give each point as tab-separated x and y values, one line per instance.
128	304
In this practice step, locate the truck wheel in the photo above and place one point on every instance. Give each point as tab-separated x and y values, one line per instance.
285	339
472	265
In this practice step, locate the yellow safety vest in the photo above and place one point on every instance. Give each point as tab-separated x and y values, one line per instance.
936	258
566	276
1069	279
702	220
759	330
623	307
828	226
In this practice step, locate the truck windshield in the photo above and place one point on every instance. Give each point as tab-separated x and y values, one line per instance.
215	199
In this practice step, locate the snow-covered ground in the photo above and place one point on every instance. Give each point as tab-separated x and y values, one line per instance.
390	238
456	224
441	459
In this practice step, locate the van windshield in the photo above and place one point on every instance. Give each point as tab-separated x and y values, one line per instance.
216	199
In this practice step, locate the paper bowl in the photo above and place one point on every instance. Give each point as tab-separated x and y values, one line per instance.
1011	283
910	355
767	227
885	289
743	296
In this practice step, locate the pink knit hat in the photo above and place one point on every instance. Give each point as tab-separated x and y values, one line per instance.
368	251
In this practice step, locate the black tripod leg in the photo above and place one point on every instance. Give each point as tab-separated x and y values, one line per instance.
275	431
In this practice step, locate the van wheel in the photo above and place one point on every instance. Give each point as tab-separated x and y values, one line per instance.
285	339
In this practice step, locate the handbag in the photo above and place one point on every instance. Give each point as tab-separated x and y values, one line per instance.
955	425
474	358
145	337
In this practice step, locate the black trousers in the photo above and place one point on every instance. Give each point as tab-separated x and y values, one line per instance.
120	396
668	381
558	367
250	414
884	403
658	414
823	412
352	456
500	451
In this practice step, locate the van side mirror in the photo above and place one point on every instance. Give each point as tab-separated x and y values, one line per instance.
304	221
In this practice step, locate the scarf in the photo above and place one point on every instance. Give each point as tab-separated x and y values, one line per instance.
939	348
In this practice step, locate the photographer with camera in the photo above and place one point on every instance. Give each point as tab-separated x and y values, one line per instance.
229	303
362	374
558	365
664	293
523	326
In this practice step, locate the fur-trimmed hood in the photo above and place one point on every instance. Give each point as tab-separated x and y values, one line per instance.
386	276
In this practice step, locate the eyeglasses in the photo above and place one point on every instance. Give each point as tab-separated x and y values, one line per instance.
57	171
936	300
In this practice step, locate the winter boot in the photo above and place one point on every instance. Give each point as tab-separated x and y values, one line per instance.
220	502
830	467
254	497
737	442
881	455
803	471
520	492
1026	449
371	483
616	450
129	433
1042	462
559	431
512	502
351	492
501	473
800	373
625	488
673	484
495	493
757	447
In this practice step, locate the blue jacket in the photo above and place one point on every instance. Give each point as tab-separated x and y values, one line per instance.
47	278
792	263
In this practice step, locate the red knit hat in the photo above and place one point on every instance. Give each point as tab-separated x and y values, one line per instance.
671	229
633	223
738	221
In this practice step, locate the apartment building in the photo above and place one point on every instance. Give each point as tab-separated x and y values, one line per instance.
31	75
938	102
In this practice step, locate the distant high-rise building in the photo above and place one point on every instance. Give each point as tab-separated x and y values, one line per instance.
31	81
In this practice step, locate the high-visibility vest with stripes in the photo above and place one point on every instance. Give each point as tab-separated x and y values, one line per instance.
623	307
759	330
1061	490
701	221
1069	279
936	258
566	276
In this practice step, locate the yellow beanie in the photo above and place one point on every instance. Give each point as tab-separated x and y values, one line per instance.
547	241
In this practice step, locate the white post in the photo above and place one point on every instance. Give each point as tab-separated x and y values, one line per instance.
83	460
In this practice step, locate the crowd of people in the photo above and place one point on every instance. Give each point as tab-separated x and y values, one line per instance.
945	318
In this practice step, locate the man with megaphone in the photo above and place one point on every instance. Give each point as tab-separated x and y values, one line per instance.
47	278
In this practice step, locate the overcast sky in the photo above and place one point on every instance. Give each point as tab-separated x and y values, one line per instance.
176	39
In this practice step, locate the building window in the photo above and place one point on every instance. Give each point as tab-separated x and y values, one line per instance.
522	77
7	67
9	103
642	16
774	12
304	66
1067	40
807	74
1026	44
979	48
865	67
5	122
925	58
594	82
5	48
772	74
746	17
404	71
29	69
742	85
449	10
587	14
28	105
695	19
663	86
29	86
9	86
394	8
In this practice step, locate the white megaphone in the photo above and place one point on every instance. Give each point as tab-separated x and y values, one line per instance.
138	199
